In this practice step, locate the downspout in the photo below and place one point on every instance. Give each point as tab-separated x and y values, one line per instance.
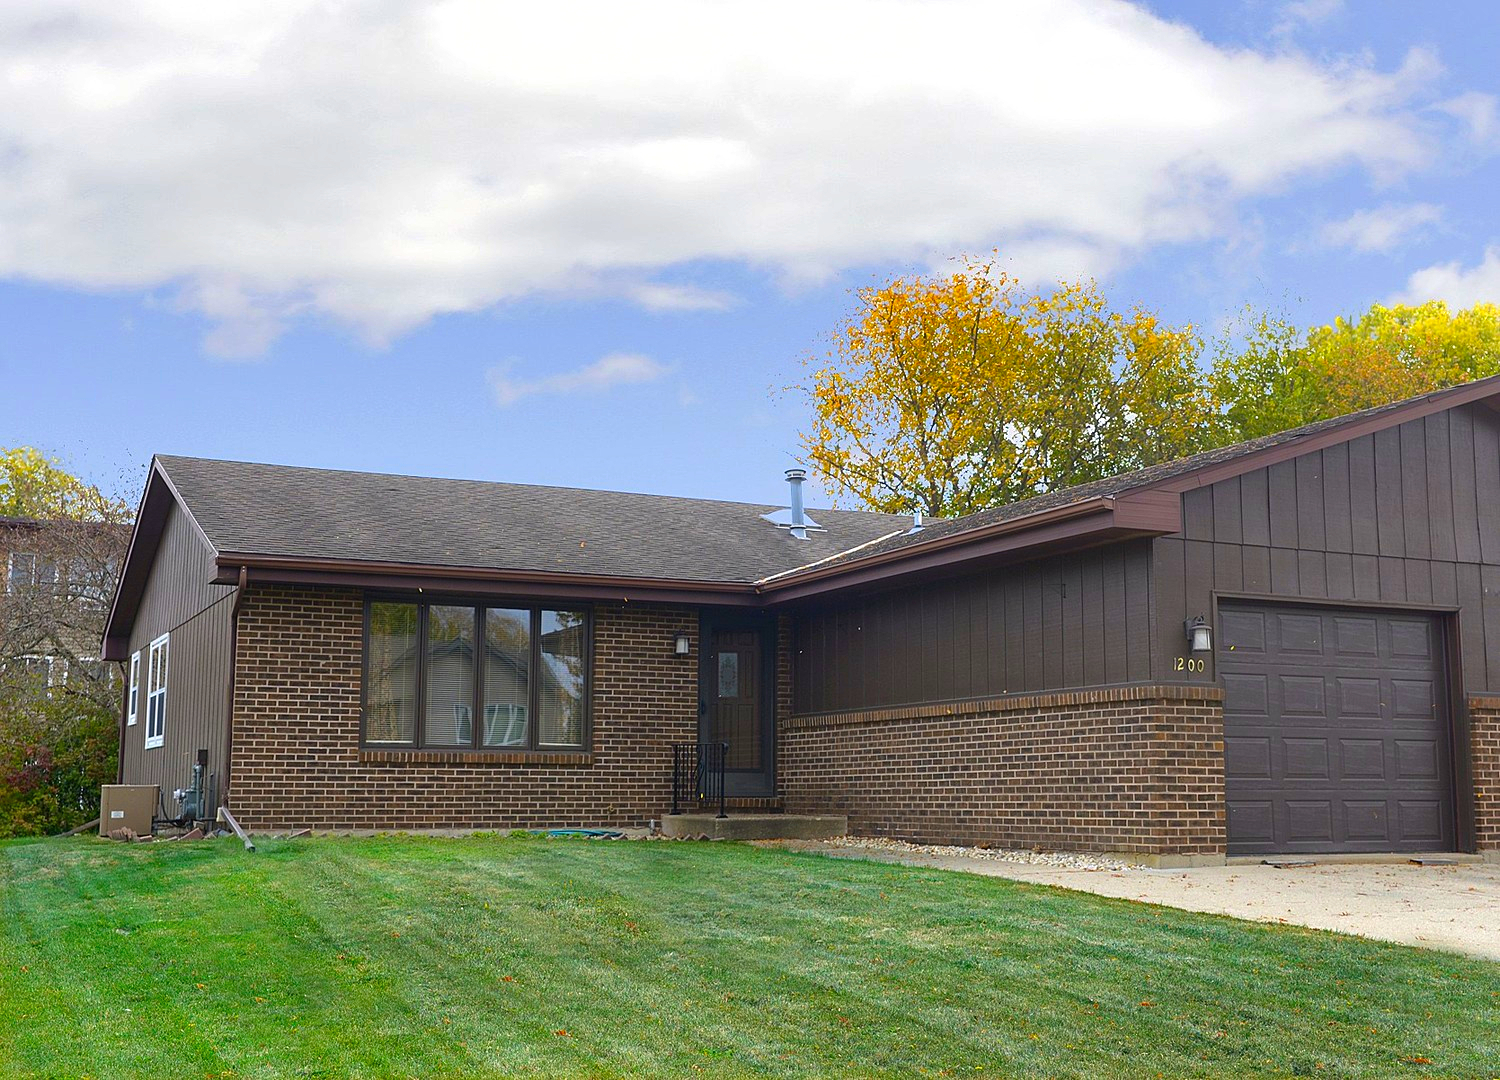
222	795
124	711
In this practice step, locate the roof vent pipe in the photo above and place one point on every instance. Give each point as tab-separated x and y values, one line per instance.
916	522
794	478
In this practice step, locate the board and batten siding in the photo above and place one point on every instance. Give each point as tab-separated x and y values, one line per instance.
1073	620
1408	515
179	600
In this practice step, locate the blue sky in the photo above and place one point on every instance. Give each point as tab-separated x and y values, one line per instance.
587	246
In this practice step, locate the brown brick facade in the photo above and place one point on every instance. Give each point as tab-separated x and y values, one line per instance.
1131	769
296	760
1484	744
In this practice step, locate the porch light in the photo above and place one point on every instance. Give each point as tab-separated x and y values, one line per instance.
1199	633
681	644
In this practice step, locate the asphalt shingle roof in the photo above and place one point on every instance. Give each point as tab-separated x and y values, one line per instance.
375	517
282	510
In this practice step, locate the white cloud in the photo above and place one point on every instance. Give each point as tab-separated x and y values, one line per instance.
616	369
1460	286
657	296
380	164
1300	14
1382	228
1478	113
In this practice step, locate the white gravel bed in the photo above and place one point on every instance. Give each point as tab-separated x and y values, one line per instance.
1066	860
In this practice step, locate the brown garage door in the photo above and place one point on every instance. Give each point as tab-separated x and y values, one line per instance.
1335	730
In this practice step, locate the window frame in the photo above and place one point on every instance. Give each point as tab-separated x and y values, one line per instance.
477	707
14	559
133	691
159	648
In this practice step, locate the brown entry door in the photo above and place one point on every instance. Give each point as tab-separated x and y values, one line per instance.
735	700
1336	730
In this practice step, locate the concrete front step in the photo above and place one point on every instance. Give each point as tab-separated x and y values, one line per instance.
756	826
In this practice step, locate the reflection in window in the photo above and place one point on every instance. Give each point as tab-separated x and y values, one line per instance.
507	675
527	687
391	677
561	677
450	676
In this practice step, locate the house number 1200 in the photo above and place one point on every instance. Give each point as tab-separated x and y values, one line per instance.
1188	663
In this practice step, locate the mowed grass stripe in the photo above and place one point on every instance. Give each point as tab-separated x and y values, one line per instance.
498	956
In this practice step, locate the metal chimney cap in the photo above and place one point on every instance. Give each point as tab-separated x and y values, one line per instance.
796	475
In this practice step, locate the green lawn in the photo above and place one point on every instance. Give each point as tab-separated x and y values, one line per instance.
504	957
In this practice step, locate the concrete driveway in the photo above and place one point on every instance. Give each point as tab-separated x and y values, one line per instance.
1456	908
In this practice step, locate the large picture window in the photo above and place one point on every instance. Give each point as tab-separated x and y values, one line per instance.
455	676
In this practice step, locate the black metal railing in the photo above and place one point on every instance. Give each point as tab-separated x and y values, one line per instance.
698	774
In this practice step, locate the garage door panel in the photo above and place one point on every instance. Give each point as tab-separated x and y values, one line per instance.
1336	731
1248	757
1246	694
1250	822
1417	759
1356	636
1359	697
1300	634
1306	759
1413	698
1309	821
1243	631
1362	759
1411	639
1302	695
1366	820
1421	821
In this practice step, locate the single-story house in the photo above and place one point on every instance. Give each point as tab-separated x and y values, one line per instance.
1288	645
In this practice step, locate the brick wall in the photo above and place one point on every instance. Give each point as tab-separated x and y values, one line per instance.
1131	769
296	758
1484	743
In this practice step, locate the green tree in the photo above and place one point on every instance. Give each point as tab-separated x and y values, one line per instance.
1278	377
57	745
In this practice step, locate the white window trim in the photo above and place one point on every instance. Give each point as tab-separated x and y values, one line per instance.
164	666
11	562
50	661
133	691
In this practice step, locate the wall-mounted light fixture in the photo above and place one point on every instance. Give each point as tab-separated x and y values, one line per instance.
681	644
1199	633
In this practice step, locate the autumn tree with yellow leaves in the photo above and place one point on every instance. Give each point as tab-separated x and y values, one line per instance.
954	393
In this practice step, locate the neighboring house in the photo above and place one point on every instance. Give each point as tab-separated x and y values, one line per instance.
55	581
1289	645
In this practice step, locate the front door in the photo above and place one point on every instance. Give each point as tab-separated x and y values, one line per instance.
736	699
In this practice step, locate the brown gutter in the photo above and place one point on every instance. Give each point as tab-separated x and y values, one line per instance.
234	648
1093	521
1098	520
293	570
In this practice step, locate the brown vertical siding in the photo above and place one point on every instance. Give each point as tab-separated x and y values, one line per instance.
1409	515
1074	620
178	600
178	587
197	697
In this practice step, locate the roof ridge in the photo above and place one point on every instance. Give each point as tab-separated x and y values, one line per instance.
758	507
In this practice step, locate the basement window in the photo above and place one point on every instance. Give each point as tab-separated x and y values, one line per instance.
467	676
156	692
